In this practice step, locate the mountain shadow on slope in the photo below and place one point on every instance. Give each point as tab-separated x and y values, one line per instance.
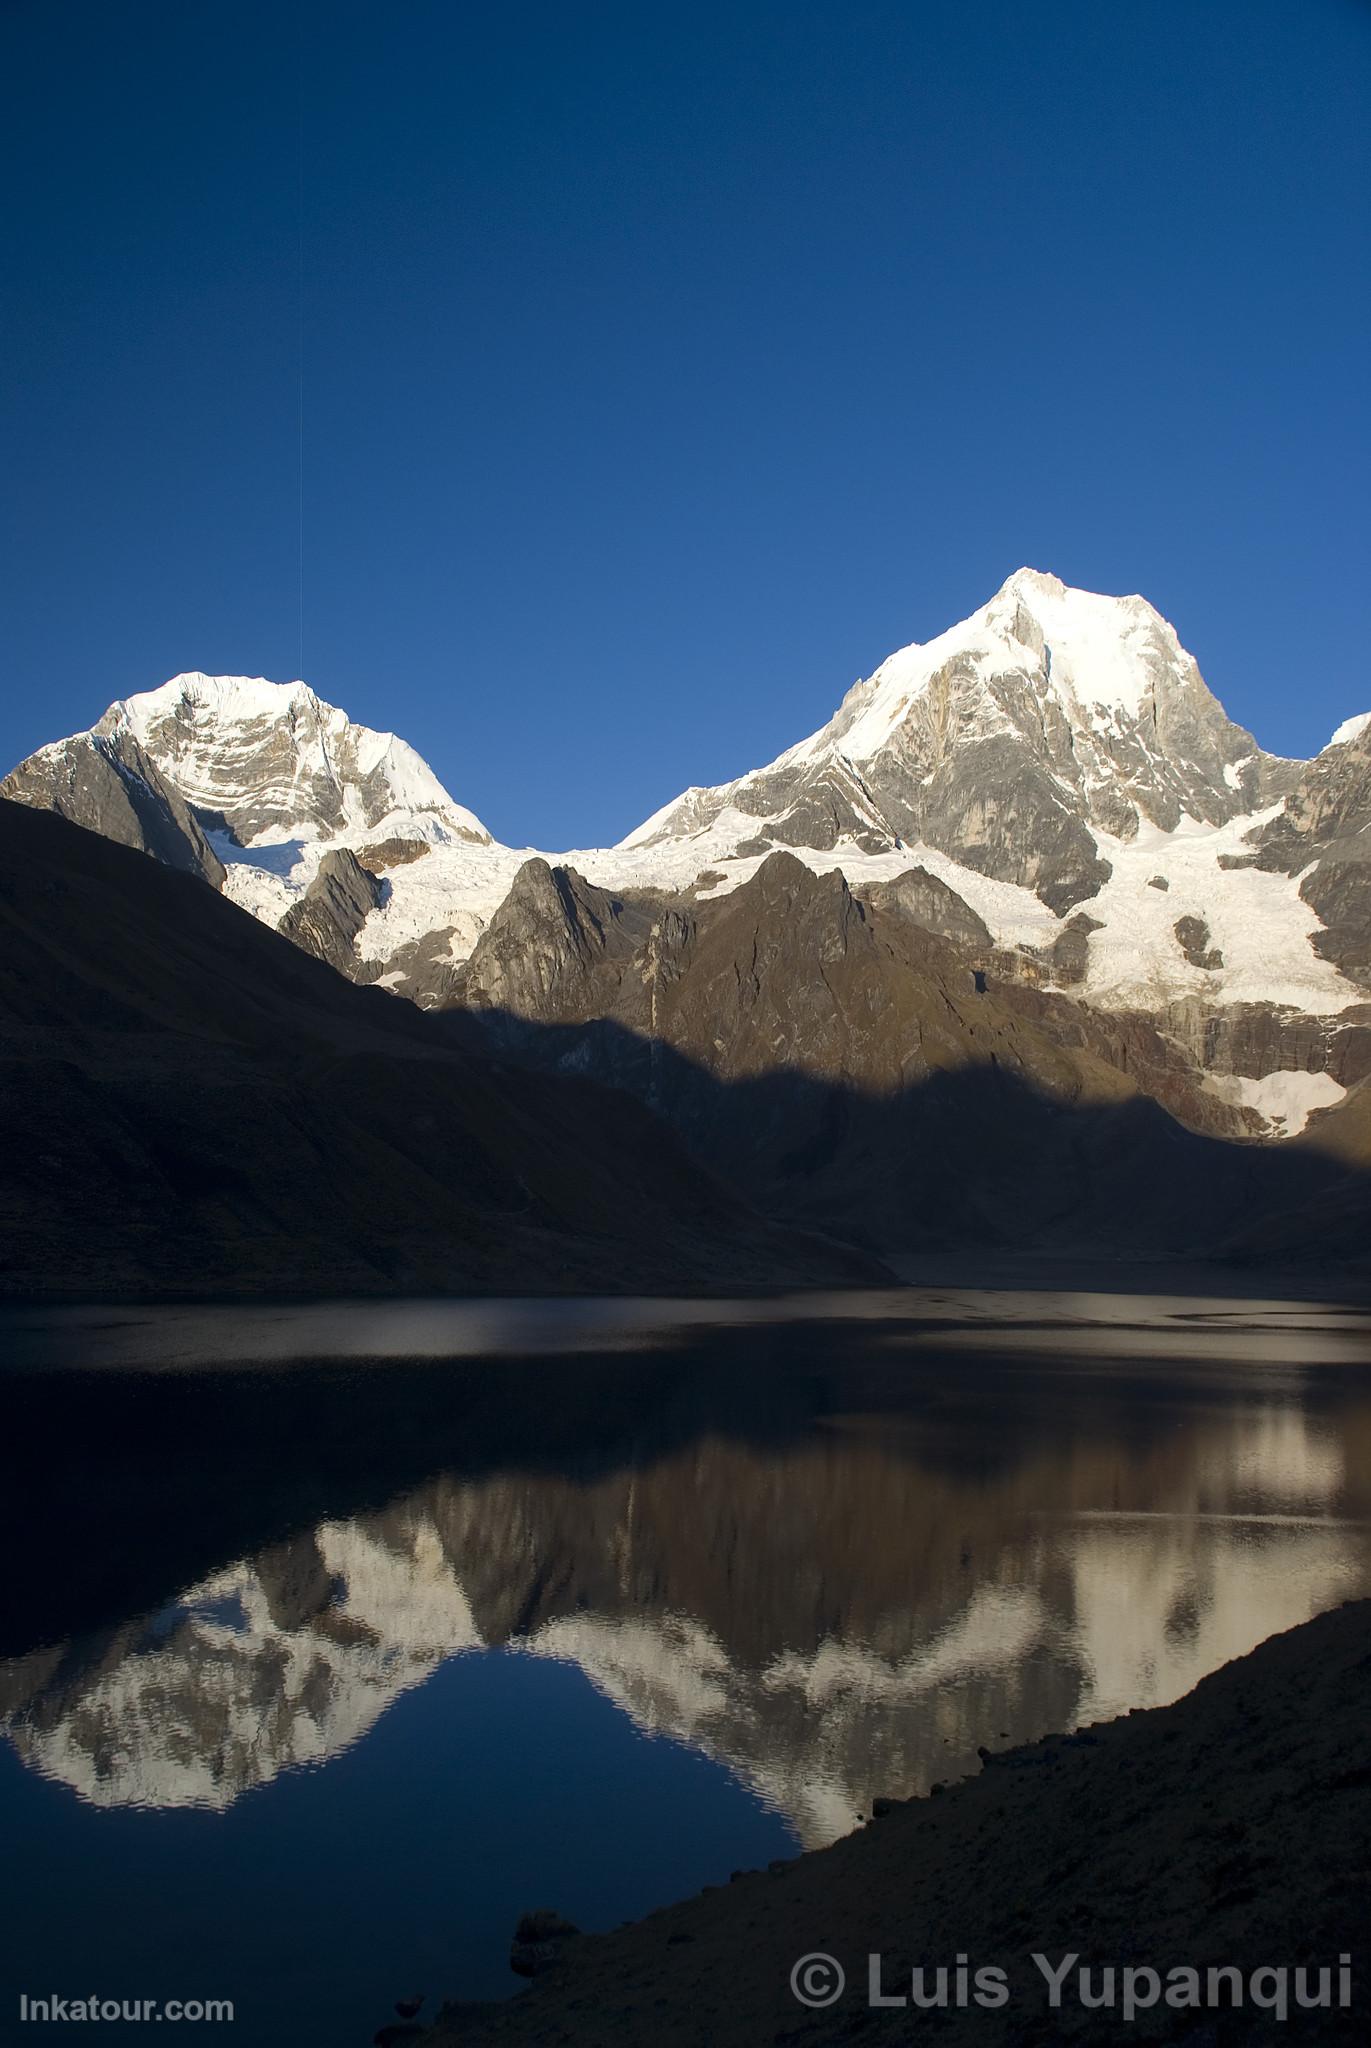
877	987
843	1063
198	1109
193	1108
975	1159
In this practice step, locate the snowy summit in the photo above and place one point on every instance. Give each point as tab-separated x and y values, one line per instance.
1056	759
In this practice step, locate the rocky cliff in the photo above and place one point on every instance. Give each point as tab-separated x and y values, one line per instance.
1322	834
848	1066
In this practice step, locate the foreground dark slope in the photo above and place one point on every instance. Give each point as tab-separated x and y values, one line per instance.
1231	1828
193	1107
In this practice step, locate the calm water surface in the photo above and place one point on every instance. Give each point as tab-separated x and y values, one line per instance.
334	1638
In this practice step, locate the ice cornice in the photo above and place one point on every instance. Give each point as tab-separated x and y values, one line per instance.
1350	729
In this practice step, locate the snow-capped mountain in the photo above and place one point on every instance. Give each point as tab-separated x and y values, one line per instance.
235	762
1009	743
267	758
1055	763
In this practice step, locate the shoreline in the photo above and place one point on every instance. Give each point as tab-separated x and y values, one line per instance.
1050	1271
1230	1830
1134	1313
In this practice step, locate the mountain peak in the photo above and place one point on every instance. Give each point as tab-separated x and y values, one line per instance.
1025	582
1011	742
194	686
274	758
1109	650
1100	660
1041	584
258	763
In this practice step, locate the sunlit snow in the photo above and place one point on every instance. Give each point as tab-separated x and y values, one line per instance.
1098	658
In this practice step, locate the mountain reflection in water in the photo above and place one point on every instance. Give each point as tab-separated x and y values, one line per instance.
835	1556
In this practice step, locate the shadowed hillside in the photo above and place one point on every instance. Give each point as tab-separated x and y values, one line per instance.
193	1107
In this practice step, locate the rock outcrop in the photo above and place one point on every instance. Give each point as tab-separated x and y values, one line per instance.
1323	834
107	783
1192	936
333	909
850	1068
929	902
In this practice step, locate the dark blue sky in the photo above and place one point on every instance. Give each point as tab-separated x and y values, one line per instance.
664	368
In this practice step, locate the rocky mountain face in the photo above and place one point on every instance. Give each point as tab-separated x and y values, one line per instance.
1049	788
110	785
855	1070
1322	834
931	905
630	1093
1007	744
261	758
326	919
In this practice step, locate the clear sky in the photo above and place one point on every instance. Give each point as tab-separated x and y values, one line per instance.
667	366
